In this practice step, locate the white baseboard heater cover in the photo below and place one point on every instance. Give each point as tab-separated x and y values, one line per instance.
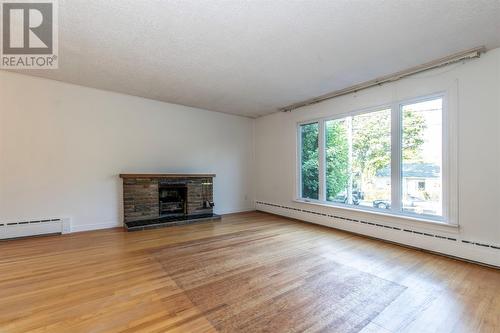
9	230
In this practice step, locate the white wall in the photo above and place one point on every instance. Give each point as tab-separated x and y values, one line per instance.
62	147
474	88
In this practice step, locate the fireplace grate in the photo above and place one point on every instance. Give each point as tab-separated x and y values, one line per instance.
172	200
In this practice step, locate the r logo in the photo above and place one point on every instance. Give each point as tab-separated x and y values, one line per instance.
27	28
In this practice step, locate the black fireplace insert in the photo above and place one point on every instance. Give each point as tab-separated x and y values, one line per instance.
173	200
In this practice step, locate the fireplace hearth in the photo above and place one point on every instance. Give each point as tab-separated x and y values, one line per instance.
159	200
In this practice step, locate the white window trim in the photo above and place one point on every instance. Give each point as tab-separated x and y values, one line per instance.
449	162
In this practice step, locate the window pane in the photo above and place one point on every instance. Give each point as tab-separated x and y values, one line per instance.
371	148
358	158
309	161
337	160
422	158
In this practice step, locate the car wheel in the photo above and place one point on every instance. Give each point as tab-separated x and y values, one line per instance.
382	206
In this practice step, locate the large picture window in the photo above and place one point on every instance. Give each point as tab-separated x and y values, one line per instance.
387	159
357	147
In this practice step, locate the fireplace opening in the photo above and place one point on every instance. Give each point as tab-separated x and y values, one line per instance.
173	200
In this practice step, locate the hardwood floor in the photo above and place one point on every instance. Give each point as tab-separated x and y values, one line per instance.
251	272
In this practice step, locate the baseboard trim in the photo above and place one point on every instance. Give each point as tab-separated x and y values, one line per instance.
450	245
98	226
114	224
236	211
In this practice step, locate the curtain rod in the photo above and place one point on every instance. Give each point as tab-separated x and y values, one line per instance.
460	56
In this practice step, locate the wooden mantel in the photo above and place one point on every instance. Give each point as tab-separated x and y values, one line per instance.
166	175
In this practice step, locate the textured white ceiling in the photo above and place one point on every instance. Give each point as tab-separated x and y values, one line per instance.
252	57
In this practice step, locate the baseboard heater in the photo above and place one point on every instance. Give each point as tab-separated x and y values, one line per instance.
11	230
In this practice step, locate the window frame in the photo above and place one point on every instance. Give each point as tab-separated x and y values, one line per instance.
449	201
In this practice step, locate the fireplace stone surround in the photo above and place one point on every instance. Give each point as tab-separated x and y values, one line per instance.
160	200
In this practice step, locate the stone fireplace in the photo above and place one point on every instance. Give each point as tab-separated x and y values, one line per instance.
157	200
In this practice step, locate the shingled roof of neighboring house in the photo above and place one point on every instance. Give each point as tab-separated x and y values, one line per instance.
415	170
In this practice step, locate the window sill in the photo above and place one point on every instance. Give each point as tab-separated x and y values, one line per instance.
405	218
